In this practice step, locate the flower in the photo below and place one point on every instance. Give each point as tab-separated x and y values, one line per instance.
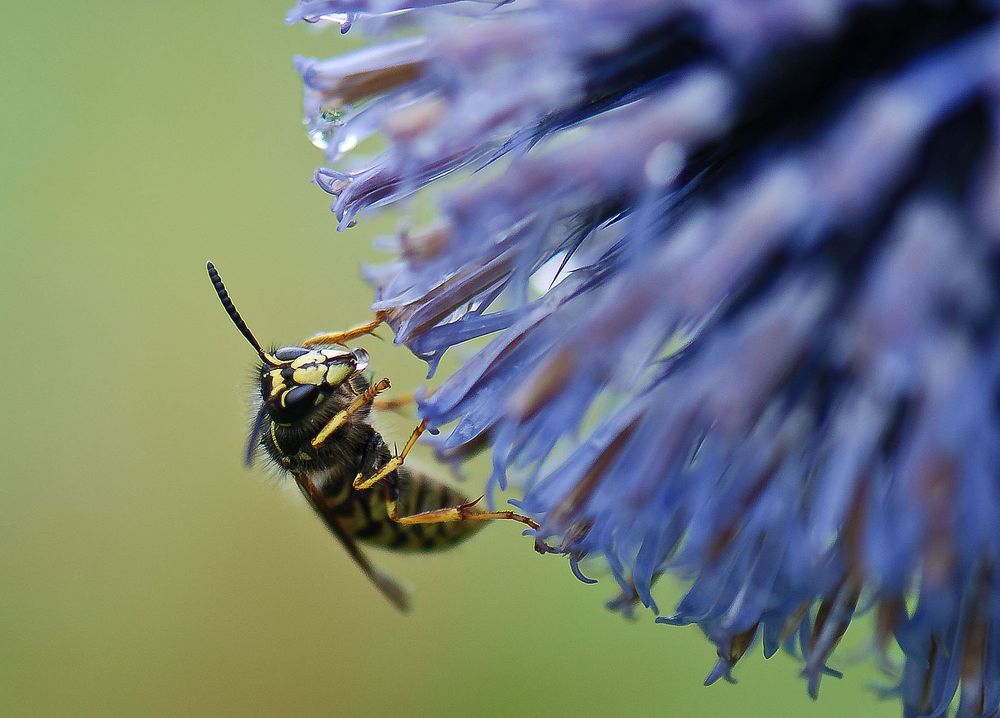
739	267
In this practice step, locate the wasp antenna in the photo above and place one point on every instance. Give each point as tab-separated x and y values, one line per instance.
227	303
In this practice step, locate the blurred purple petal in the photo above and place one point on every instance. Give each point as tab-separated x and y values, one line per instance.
734	269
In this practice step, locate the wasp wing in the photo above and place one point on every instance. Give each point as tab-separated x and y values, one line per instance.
256	431
390	587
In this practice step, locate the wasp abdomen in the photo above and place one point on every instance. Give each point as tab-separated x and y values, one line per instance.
365	516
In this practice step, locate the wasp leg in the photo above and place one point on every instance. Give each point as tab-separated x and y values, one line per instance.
340	418
361	483
390	587
394	403
387	476
345	336
462	512
398	402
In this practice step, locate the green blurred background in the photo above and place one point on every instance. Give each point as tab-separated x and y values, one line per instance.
146	572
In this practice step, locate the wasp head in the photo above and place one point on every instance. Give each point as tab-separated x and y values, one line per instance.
293	380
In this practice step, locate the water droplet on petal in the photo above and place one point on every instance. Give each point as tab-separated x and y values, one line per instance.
341	19
322	126
333	114
347	144
319	138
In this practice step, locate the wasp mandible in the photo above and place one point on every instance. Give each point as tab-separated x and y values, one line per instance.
311	418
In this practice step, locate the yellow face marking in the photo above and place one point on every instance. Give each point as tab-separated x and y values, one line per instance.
277	383
308	358
309	375
337	373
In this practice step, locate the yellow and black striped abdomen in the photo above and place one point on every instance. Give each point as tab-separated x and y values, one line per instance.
364	514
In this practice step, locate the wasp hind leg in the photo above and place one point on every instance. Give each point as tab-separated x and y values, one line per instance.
347	335
462	512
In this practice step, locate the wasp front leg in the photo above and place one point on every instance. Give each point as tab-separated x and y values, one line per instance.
340	418
347	335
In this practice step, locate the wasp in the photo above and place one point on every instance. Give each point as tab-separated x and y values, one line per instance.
311	419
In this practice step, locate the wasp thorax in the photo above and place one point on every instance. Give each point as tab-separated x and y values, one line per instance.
295	379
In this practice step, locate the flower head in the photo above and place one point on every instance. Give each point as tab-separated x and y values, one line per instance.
739	267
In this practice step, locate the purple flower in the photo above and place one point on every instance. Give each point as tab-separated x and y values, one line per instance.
739	267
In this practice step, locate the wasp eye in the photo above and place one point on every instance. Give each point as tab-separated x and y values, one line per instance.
289	353
294	403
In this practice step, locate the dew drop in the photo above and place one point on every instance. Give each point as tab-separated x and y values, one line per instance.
319	138
322	126
334	115
347	144
340	19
